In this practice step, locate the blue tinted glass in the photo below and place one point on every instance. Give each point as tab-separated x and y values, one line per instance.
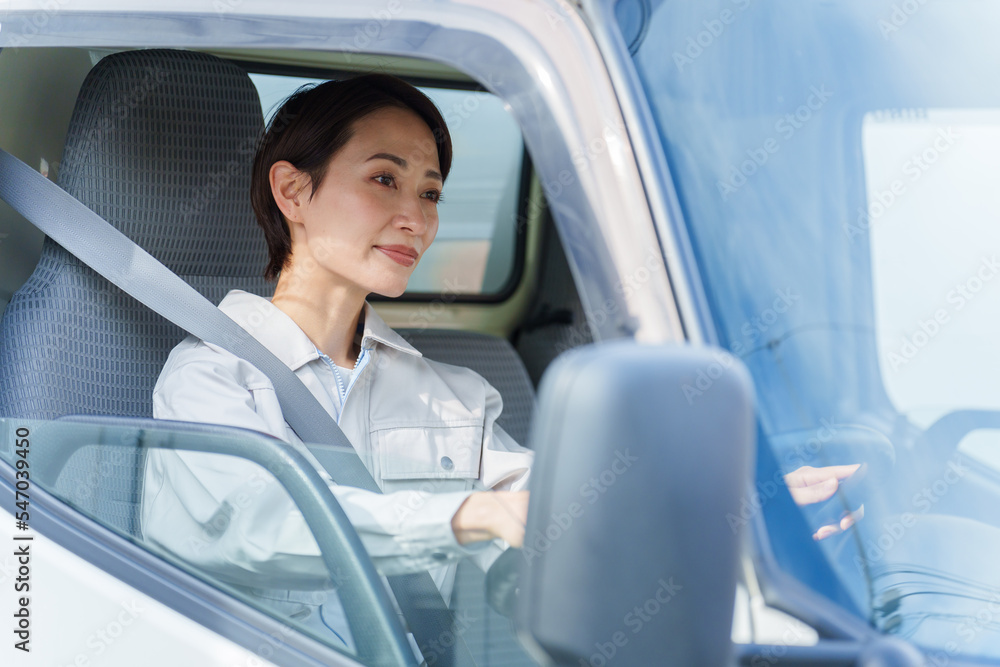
834	163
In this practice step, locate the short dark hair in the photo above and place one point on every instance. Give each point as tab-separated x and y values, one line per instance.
312	126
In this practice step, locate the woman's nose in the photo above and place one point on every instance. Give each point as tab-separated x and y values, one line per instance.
412	216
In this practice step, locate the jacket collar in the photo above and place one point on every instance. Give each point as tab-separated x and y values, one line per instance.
282	336
378	331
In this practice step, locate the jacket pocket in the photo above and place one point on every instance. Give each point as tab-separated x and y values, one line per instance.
430	452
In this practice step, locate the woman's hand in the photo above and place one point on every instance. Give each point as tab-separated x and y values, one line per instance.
810	485
488	515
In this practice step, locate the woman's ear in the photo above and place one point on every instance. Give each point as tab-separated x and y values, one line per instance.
289	187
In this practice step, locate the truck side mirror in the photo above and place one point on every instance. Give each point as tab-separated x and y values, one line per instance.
629	559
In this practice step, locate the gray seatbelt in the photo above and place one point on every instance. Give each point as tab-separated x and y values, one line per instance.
95	242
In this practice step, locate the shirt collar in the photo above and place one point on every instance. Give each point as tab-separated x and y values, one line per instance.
282	336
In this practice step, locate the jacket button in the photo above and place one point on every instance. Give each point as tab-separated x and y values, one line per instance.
447	463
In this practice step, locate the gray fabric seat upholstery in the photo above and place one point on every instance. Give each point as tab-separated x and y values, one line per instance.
160	145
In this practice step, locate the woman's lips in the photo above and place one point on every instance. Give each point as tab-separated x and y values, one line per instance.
400	254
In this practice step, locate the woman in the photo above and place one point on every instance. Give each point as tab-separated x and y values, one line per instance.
346	184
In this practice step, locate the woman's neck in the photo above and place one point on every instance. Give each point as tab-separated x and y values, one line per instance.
328	314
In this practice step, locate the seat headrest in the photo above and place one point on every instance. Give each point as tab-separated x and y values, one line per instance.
161	145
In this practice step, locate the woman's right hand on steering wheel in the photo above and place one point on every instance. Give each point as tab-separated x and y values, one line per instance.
489	515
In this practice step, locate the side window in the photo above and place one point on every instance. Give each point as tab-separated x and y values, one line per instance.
476	250
930	217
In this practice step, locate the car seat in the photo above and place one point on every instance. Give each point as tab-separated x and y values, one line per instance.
160	145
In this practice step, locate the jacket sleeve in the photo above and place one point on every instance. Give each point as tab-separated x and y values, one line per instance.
231	518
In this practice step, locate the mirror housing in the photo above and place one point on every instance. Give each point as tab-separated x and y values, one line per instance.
643	451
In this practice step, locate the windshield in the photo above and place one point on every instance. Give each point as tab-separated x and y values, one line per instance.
835	166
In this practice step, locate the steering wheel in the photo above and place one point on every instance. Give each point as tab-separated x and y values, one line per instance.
942	437
503	581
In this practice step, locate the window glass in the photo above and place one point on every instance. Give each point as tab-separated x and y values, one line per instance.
834	167
475	252
119	476
174	492
931	216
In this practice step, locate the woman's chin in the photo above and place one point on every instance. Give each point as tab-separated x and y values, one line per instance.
391	292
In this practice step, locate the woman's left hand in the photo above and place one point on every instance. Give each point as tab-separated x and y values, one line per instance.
810	485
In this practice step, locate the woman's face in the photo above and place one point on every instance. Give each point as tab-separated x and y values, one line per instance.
375	213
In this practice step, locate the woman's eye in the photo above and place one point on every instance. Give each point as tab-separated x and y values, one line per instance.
434	195
386	180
